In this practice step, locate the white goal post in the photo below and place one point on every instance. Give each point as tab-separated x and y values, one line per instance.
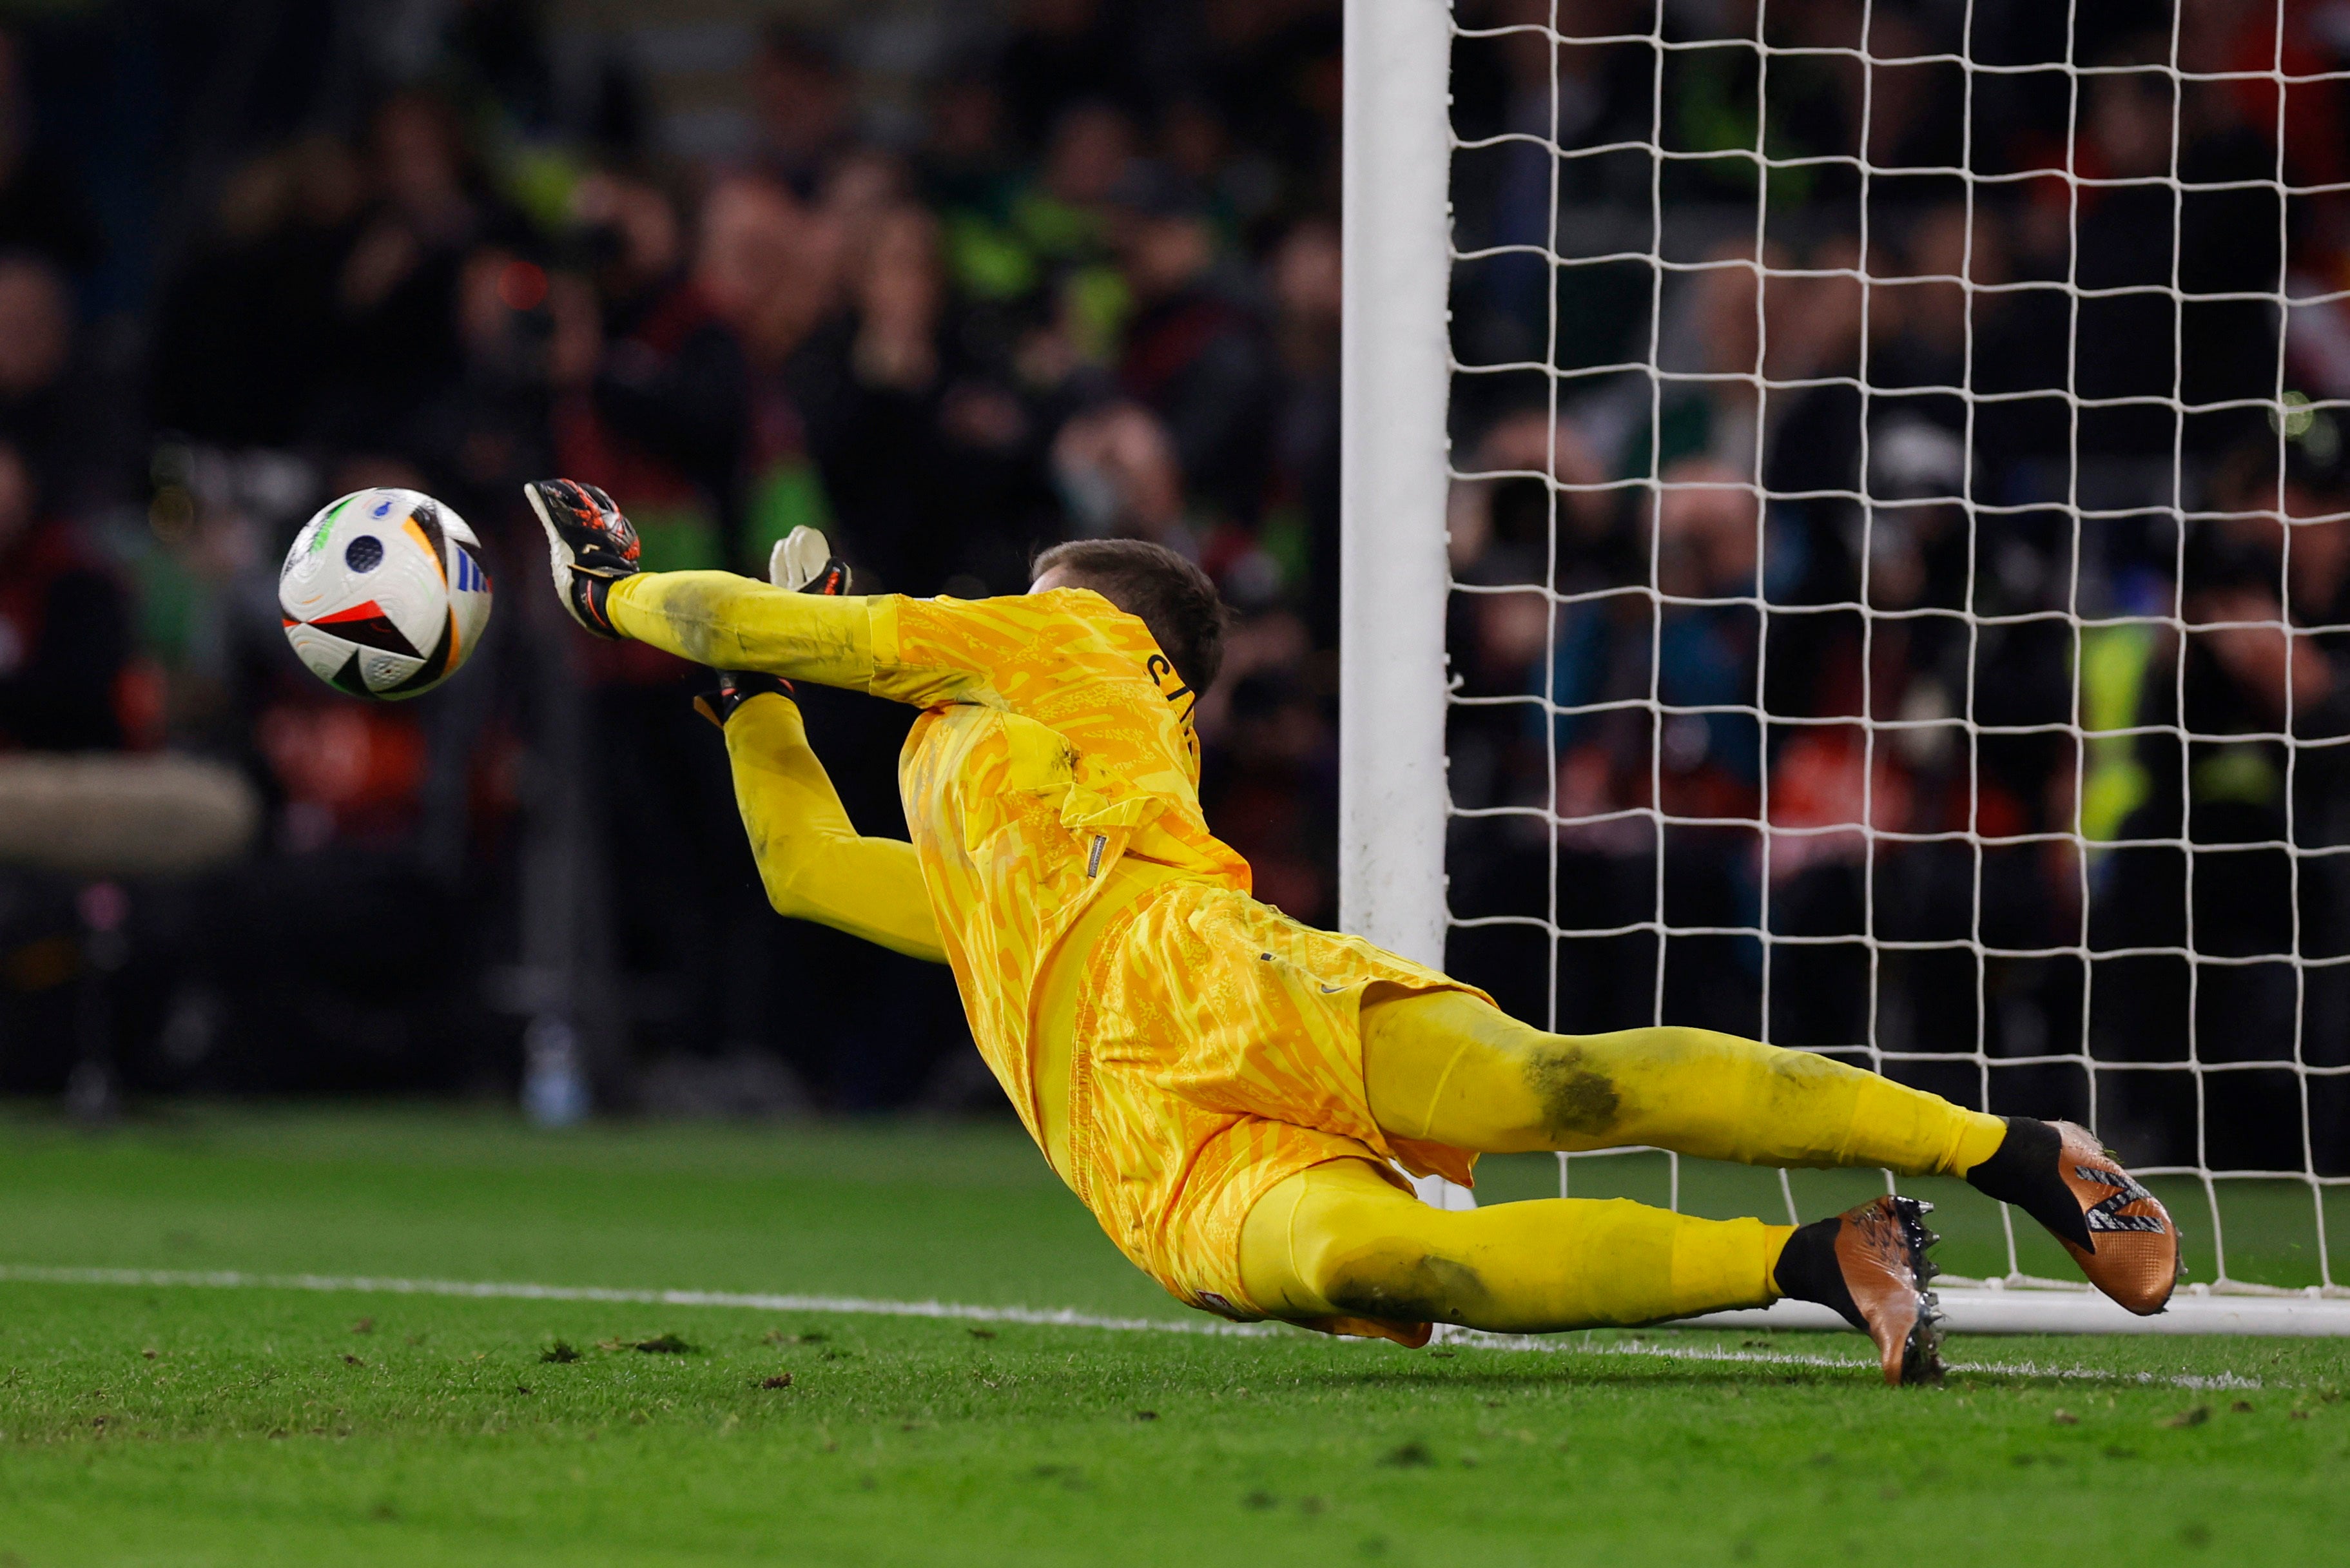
1402	480
1394	473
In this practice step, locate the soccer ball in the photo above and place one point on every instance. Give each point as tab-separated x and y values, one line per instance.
384	594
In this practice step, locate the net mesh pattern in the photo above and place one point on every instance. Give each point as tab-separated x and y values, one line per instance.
1900	551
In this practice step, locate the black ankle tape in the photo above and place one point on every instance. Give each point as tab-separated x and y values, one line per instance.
1808	1271
2024	1171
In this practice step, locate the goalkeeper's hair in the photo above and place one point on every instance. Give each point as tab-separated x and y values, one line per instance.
1169	595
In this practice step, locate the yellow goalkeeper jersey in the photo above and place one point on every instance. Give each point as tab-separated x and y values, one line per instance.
1056	739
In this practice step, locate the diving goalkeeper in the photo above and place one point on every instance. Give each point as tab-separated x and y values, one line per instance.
1229	1091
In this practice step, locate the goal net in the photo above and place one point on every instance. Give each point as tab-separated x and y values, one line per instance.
1848	544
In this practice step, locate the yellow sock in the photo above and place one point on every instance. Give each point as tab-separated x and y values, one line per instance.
1979	1142
1339	1240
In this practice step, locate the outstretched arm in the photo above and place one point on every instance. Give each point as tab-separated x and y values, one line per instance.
922	651
919	651
812	860
737	623
803	629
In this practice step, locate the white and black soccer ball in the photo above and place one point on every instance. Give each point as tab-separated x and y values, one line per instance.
384	594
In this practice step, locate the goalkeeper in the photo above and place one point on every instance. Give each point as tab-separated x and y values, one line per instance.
1229	1091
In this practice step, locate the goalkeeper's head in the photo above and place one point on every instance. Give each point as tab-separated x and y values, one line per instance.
1169	595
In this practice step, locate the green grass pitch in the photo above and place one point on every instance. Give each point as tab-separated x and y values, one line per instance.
185	1424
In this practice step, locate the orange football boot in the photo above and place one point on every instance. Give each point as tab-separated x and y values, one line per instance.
2133	1250
1880	1248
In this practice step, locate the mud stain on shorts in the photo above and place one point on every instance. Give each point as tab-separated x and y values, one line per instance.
1574	1099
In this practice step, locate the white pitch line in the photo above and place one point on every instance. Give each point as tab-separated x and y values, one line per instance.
1041	1317
1965	1368
863	1306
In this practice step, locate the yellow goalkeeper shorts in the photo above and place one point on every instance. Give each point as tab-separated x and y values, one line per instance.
1217	1052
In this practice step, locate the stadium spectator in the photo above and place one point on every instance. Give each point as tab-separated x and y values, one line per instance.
2248	673
42	210
804	105
37	343
396	352
650	382
1119	474
1194	351
64	632
245	335
1096	290
1304	282
1062	53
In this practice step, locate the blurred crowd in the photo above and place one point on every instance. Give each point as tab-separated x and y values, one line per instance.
1071	267
1077	275
1803	522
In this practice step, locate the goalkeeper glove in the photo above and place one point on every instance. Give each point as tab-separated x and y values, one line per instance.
805	564
737	687
589	547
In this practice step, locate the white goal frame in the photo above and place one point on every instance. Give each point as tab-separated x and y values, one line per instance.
1396	471
1395	384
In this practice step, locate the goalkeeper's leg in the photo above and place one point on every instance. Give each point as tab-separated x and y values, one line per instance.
1451	1068
1342	1238
1447	1067
1339	1240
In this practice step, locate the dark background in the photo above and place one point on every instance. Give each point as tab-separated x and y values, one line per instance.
953	282
956	280
1979	576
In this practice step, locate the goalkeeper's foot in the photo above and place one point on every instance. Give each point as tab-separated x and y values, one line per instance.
1869	1263
589	547
2119	1234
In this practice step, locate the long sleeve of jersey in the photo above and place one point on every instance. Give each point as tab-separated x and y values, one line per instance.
922	651
814	862
1093	710
735	623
